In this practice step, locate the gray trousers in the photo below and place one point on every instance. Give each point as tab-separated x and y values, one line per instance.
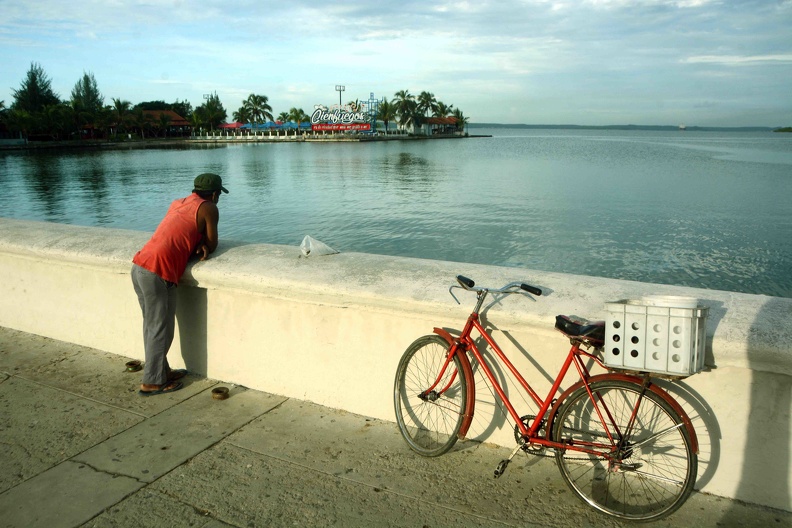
157	299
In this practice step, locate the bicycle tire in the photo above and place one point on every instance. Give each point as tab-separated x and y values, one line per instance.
656	471
431	425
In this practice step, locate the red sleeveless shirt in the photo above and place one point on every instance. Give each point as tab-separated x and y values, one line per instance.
176	238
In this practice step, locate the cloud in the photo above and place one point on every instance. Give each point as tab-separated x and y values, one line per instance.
736	60
566	58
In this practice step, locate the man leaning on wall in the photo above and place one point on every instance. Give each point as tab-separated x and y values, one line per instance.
189	227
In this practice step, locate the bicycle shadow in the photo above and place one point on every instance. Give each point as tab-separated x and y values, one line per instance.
766	457
705	424
491	415
492	421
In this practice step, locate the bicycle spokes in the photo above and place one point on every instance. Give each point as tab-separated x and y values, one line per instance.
643	475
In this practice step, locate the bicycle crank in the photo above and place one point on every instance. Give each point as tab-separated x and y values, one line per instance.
503	464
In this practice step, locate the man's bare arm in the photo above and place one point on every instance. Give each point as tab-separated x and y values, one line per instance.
208	218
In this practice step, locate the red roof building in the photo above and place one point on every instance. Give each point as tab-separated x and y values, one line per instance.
175	119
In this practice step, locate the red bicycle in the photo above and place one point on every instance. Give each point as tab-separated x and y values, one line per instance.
622	443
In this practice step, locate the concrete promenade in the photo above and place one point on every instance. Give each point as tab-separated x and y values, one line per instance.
80	447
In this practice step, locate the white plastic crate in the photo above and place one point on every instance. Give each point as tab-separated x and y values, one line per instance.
654	335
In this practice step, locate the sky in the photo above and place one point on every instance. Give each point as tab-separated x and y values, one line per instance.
587	62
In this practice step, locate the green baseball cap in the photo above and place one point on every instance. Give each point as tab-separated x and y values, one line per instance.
209	182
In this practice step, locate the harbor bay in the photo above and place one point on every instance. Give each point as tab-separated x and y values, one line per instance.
702	209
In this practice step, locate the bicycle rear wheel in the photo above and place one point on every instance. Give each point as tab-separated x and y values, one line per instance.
429	420
649	471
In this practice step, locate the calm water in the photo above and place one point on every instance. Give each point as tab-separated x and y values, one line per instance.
703	209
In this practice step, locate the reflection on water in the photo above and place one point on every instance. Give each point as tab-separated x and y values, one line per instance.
700	209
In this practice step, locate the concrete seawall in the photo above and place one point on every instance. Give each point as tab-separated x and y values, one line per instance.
332	329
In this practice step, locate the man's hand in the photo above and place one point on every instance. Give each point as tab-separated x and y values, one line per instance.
203	250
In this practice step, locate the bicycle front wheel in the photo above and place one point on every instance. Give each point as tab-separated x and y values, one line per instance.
429	401
645	471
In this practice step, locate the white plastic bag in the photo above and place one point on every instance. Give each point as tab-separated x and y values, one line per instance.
311	247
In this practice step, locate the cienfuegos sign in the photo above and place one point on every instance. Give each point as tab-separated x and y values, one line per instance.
339	119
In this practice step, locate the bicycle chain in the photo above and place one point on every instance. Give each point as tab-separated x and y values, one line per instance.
541	451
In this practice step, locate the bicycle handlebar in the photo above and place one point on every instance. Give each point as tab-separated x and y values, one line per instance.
470	285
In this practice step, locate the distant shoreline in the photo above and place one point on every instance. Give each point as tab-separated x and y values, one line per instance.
214	141
664	128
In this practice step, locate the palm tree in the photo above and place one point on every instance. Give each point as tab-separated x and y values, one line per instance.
386	112
427	103
283	117
57	119
242	115
298	116
142	121
3	112
442	109
164	123
197	119
82	116
19	120
121	111
258	108
461	119
406	108
103	120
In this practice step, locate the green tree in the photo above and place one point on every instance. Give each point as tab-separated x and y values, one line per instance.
462	121
164	123
407	109
85	95
121	110
197	120
386	112
3	117
86	102
153	105
283	117
241	115
35	92
104	121
442	110
298	116
19	121
258	107
212	113
426	103
142	121
183	108
56	120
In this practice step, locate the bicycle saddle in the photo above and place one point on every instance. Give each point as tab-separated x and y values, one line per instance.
578	328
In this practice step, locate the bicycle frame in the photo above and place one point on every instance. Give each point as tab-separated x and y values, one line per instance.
465	343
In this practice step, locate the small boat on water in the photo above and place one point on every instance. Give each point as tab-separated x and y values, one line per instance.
683	127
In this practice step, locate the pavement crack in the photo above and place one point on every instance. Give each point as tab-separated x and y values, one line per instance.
111	473
276	407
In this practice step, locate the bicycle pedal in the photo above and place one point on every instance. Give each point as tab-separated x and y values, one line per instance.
501	468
